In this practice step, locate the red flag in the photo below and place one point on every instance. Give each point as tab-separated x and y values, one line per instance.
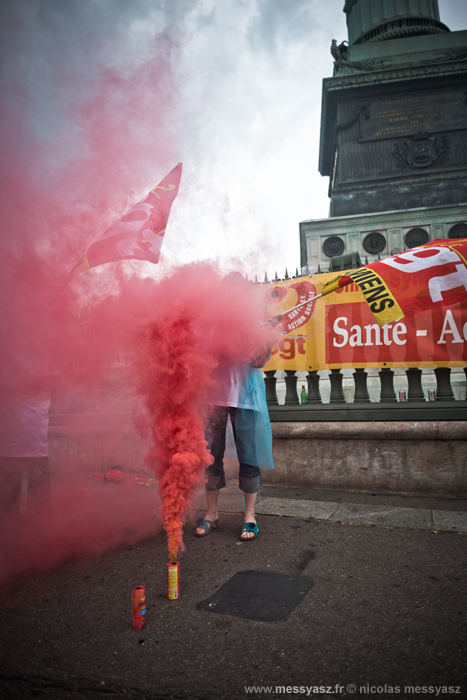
434	274
138	234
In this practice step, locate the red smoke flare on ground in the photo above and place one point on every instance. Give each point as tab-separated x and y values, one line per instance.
181	452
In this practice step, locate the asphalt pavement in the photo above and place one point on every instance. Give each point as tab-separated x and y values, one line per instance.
315	607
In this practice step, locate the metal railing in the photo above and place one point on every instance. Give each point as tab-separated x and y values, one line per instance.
413	405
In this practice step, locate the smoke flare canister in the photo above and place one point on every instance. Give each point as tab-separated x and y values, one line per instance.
139	607
173	583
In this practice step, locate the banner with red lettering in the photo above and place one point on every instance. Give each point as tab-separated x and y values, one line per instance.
340	331
426	277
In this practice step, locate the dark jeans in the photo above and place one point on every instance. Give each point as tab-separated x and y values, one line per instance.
12	470
249	476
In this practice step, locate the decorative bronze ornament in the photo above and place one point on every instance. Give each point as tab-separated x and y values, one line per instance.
458	231
348	5
333	246
421	150
374	243
415	237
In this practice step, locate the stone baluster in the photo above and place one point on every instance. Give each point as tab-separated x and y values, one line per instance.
270	384
415	390
361	390
337	393
314	395
291	394
444	390
386	377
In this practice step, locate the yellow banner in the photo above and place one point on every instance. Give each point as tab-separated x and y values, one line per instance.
378	296
340	331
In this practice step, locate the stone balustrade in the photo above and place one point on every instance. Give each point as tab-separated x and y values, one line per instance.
390	404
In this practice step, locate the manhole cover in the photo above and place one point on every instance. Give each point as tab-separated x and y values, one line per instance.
258	595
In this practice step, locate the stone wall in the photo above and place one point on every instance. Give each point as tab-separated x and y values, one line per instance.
92	433
81	447
393	226
417	457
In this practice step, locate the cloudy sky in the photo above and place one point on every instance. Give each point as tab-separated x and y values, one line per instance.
230	87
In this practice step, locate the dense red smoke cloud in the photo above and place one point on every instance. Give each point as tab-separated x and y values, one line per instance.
76	523
83	138
85	131
174	334
196	324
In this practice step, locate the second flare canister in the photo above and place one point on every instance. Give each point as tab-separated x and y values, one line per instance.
173	582
139	607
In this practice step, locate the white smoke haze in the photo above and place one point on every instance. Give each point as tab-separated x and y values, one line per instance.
243	79
226	104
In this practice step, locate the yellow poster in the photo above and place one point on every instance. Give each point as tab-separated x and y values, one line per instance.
339	331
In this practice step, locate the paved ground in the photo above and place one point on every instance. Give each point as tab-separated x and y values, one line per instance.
387	609
415	512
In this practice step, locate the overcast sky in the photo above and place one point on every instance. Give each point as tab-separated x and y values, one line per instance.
236	96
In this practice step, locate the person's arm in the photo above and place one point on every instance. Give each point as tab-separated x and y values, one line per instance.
261	357
263	353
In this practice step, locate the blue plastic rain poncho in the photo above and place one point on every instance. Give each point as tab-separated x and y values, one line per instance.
244	390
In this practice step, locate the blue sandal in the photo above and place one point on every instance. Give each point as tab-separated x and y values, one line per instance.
249	527
207	526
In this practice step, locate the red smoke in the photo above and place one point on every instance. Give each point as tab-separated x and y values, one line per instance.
85	132
82	140
196	324
77	523
111	141
173	333
177	384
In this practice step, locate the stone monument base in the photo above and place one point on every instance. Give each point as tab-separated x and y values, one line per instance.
413	457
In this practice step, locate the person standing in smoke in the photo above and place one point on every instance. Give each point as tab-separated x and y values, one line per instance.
239	395
24	449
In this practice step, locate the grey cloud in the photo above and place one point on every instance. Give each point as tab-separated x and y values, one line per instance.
453	13
276	23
